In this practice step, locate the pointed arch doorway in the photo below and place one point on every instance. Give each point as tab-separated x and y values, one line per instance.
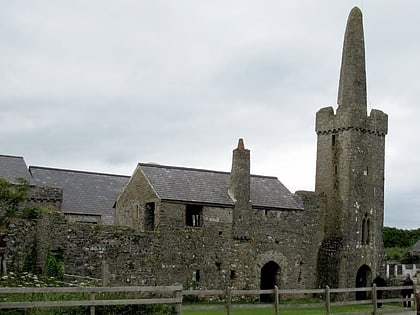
270	277
363	279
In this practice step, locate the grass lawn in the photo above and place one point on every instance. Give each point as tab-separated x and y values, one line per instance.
347	309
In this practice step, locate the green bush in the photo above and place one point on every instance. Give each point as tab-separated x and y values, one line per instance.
31	213
10	197
54	267
29	263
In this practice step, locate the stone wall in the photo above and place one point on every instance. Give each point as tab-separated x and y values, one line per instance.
129	255
206	257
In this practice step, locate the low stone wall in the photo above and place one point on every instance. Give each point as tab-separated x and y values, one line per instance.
85	248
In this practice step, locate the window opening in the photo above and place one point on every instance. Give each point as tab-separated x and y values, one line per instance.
365	230
196	276
149	216
137	211
232	274
333	140
193	215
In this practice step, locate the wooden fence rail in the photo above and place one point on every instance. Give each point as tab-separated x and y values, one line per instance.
173	295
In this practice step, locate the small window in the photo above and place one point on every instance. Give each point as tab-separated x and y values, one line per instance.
365	230
149	216
193	215
232	274
333	140
137	211
197	276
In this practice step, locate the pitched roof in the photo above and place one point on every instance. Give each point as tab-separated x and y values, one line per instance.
84	193
13	167
211	187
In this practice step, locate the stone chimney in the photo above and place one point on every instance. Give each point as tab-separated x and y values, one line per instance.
240	191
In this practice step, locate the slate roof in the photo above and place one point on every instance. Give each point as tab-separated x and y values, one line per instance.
13	167
84	193
211	187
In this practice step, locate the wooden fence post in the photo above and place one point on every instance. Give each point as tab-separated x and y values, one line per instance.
105	274
228	301
92	307
178	306
276	300
327	300
374	300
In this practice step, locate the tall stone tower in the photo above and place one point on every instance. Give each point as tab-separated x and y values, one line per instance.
350	172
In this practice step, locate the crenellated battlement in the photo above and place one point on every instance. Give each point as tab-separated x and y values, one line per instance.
327	122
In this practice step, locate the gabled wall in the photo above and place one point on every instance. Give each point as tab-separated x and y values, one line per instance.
131	204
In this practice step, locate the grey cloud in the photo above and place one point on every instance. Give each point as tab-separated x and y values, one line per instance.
102	85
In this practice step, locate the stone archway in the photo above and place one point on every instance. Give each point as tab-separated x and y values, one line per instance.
363	279
270	277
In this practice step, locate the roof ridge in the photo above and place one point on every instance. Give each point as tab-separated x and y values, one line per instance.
11	156
198	169
181	168
76	171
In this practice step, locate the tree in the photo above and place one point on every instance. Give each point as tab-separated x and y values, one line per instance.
398	242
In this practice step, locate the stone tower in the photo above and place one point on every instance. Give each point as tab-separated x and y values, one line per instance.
350	173
240	192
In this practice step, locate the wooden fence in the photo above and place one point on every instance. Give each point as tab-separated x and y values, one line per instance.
173	295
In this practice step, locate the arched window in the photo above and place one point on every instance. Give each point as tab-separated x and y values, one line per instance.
365	230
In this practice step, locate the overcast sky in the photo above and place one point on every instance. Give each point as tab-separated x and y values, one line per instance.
102	85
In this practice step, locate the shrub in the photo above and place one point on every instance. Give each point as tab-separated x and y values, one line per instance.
31	213
54	267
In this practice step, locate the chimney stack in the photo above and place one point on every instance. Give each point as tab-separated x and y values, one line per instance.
240	191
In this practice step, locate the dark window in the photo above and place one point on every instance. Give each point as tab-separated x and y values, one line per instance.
365	230
149	216
197	275
333	140
232	275
193	215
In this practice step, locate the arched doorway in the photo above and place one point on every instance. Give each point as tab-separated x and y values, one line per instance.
270	275
363	279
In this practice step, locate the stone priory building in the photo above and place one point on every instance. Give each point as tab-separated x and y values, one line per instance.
250	231
210	229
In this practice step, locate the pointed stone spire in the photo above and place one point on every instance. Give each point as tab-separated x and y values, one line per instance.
352	86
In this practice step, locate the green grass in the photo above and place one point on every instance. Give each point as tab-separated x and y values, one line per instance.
346	309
